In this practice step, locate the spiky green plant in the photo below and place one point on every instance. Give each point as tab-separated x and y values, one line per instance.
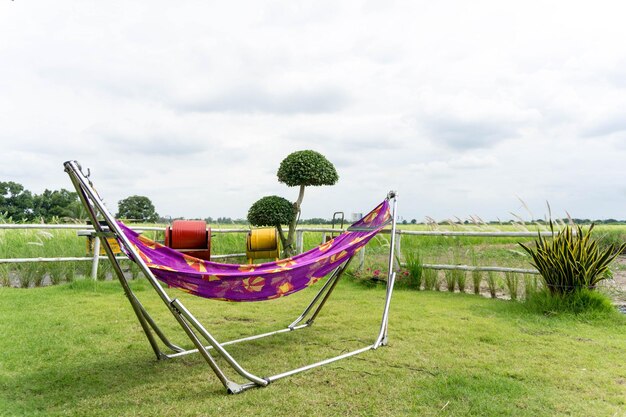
530	285
460	277
415	269
431	279
492	283
450	279
511	279
570	261
477	275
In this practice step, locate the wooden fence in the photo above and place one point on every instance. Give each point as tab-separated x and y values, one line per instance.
81	230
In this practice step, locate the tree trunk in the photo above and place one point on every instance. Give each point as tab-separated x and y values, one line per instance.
281	235
289	248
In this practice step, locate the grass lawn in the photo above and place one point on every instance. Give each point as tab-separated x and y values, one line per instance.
77	349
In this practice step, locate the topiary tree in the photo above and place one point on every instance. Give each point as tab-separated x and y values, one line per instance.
303	169
272	211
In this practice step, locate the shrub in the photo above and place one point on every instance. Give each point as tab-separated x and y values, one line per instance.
570	262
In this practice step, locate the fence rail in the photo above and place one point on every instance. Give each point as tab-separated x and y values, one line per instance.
299	244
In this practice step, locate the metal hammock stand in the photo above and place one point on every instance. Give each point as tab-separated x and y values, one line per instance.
105	226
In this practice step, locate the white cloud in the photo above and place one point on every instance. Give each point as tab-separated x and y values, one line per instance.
459	106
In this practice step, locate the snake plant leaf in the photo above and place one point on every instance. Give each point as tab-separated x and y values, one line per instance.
571	259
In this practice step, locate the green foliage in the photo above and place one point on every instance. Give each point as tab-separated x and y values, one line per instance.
19	204
512	284
582	301
271	211
492	283
572	261
58	203
138	208
16	203
460	278
307	168
450	279
531	286
415	270
431	279
477	276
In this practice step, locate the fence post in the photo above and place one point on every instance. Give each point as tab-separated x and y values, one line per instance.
96	258
361	258
299	241
398	249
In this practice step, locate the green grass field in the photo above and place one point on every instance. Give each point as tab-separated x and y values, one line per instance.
76	349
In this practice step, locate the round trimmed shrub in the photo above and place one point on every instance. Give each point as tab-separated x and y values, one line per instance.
271	211
307	168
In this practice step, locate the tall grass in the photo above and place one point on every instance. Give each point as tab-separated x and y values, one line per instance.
40	244
511	280
460	278
584	301
431	279
415	270
477	278
492	283
450	279
531	285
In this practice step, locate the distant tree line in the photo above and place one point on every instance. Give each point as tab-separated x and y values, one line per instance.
20	205
228	220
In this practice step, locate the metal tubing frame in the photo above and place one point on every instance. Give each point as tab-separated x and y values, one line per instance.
190	325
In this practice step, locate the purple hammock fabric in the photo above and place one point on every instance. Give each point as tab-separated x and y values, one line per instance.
256	282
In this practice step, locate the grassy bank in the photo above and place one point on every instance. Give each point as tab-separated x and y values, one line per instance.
76	349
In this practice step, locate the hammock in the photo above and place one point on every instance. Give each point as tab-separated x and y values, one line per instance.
256	282
233	282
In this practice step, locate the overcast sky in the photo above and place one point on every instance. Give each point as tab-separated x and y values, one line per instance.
464	107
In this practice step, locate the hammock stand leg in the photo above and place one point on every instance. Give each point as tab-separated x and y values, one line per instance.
330	283
391	277
93	204
191	326
325	291
92	209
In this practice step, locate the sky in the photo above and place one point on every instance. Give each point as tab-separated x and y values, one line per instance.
481	108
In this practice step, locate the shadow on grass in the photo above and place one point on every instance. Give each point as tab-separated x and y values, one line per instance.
65	386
